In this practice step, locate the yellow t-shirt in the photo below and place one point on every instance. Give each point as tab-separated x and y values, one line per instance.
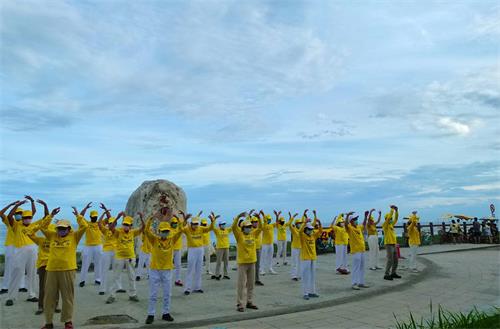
308	245
371	229
43	250
341	236
222	237
161	250
258	241
9	236
268	233
109	240
246	246
413	234
178	242
356	239
62	252
125	243
22	233
296	244
146	245
195	237
281	232
388	228
93	235
206	239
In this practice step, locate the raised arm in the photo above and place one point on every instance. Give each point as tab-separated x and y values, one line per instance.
106	210
10	216
396	215
84	210
33	207
2	212
45	207
379	217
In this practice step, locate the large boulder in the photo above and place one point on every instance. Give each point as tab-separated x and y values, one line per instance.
154	195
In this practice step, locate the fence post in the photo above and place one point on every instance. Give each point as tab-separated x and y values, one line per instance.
443	236
431	226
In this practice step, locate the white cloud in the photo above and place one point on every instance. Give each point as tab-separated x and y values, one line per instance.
482	187
453	126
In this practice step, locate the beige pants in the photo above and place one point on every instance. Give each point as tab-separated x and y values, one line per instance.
246	276
222	256
63	283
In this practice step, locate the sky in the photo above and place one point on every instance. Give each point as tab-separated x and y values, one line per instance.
327	105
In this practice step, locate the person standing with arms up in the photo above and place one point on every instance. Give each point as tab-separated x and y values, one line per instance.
254	219
296	245
308	256
390	241
414	240
268	244
92	250
175	226
222	235
357	245
282	241
341	241
107	227
371	229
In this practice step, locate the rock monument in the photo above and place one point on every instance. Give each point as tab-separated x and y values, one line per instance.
155	195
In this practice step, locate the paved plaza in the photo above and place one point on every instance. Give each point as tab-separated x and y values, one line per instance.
455	276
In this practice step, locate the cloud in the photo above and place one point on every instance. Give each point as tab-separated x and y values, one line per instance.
453	126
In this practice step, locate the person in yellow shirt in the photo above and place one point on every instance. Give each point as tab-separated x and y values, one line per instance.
207	245
9	249
341	241
92	249
144	258
222	236
160	273
357	245
25	251
390	244
282	241
125	256
43	244
294	229
194	235
246	259
175	226
414	240
308	237
254	219
268	244
371	230
61	267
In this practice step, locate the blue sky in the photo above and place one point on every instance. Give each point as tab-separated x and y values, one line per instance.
287	104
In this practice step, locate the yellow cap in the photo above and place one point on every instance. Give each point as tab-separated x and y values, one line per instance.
267	216
128	220
27	213
246	223
298	221
204	221
94	213
111	220
19	210
63	223
164	226
340	220
195	221
254	219
174	220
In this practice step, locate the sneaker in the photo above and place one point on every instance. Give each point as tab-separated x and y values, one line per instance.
363	285
4	291
379	268
277	264
218	278
259	283
214	277
199	291
97	282
167	317
121	291
262	273
273	272
373	268
133	298
23	290
150	319
388	277
137	278
39	311
82	284
101	293
285	263
415	270
306	297
395	276
355	287
179	283
313	295
9	302
226	277
68	325
32	299
240	308
48	326
57	310
186	292
295	279
252	306
110	300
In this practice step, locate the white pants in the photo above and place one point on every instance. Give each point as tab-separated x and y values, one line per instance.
117	270
177	265
23	259
9	260
281	253
308	276
374	251
107	259
159	279
91	254
206	252
358	268
413	257
195	261
144	259
266	261
341	256
295	270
